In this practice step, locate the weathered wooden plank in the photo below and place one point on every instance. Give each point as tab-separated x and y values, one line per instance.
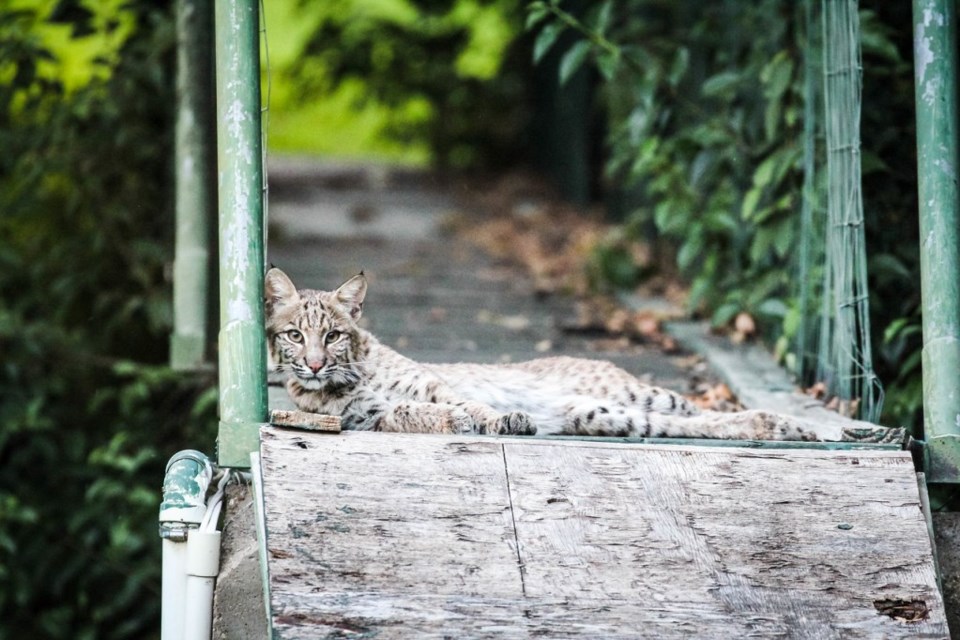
399	535
349	513
304	420
819	543
307	616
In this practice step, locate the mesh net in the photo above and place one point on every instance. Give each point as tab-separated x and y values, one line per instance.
835	348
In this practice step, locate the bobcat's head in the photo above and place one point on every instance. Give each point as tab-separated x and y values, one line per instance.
313	334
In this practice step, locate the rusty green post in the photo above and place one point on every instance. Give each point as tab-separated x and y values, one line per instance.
242	370
193	201
935	60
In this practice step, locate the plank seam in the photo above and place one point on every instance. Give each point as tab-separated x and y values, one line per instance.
513	520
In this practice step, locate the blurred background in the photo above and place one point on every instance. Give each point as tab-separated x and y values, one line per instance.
680	124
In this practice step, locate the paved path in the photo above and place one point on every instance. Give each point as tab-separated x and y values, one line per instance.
433	296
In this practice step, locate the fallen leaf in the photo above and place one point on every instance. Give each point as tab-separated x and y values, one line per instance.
818	390
617	321
716	397
646	324
745	324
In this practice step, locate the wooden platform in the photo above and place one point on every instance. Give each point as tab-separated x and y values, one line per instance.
417	536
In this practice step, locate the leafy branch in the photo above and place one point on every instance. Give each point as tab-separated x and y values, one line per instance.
608	55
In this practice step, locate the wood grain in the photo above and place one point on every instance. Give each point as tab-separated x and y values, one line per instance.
304	420
426	536
341	514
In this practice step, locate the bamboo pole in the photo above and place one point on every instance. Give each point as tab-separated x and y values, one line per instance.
243	390
935	59
193	200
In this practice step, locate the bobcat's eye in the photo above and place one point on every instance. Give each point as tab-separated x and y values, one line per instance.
295	336
332	336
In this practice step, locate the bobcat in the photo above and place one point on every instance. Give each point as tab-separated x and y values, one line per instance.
339	368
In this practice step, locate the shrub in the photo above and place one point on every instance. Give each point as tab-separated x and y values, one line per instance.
705	107
449	71
89	413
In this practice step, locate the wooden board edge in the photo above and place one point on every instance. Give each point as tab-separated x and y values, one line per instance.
259	514
293	419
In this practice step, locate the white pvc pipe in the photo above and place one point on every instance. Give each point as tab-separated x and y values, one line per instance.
203	565
182	511
173	589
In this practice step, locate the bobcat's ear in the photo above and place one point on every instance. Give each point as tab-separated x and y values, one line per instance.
278	291
351	294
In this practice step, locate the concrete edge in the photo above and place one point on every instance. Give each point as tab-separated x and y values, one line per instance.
239	610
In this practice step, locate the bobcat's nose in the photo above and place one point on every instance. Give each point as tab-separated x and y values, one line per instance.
315	366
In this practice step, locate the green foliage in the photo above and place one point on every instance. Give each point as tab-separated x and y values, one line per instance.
704	125
890	201
335	123
89	415
442	68
705	107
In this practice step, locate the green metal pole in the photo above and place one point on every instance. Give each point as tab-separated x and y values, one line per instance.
193	197
935	59
243	366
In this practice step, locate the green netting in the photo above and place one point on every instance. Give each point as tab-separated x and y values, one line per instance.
833	263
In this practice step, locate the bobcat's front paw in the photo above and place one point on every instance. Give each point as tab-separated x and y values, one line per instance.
461	422
515	423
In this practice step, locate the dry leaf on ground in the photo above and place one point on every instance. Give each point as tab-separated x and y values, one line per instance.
602	316
717	397
523	223
820	391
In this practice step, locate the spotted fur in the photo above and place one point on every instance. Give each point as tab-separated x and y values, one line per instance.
338	368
